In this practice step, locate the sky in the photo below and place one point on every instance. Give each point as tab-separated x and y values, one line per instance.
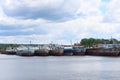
58	21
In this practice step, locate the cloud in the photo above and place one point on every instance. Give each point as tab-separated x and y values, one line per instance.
106	1
15	30
60	21
53	10
112	12
33	9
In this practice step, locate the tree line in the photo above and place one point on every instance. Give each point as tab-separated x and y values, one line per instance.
89	42
4	46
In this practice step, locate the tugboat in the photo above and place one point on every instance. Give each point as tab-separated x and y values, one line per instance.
25	51
78	50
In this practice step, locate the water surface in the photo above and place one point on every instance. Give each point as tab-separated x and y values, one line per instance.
59	68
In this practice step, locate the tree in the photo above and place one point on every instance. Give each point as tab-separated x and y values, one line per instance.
92	41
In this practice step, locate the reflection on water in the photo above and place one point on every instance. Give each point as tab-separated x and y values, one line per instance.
59	68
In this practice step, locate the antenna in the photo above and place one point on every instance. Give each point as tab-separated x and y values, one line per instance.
111	40
30	42
71	42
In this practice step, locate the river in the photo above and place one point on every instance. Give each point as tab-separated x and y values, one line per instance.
59	68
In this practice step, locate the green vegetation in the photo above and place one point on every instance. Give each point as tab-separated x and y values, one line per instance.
89	42
4	46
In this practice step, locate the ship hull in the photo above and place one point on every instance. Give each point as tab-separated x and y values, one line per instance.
3	52
68	54
79	53
39	53
55	53
26	54
8	52
79	50
101	52
11	52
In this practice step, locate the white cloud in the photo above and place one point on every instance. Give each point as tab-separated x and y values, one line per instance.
113	12
56	10
87	21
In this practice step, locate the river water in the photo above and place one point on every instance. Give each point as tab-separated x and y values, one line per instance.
59	68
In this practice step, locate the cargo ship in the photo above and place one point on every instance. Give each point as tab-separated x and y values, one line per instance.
9	51
25	51
42	51
78	50
68	51
102	51
56	50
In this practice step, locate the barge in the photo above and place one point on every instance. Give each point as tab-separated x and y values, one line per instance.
102	52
